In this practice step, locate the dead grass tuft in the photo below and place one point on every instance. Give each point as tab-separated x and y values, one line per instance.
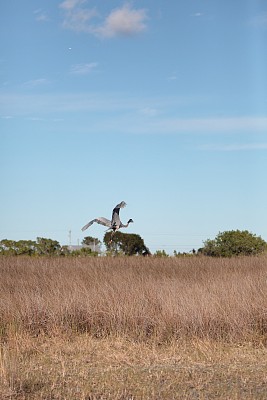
138	298
133	328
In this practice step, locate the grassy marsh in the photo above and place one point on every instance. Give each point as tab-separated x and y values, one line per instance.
133	328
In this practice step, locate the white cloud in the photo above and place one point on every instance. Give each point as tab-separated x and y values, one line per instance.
35	119
41	15
71	4
77	17
235	147
212	125
260	20
128	114
36	82
172	77
6	117
149	112
83	69
124	21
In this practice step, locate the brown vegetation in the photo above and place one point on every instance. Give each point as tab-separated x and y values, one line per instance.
133	328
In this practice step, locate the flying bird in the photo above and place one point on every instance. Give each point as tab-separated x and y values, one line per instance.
115	223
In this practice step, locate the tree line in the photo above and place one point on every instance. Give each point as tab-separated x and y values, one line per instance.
225	244
39	247
121	244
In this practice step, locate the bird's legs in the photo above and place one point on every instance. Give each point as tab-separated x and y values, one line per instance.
114	229
111	236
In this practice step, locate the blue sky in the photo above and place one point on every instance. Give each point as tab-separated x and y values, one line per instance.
160	104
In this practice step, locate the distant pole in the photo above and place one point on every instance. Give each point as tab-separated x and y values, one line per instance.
70	237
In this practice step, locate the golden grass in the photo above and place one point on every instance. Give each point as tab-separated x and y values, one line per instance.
133	328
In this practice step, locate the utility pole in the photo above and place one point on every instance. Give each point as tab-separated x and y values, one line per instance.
69	237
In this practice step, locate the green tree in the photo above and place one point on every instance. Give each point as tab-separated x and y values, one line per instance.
234	243
161	253
91	241
26	247
65	251
48	247
125	243
84	252
8	247
16	248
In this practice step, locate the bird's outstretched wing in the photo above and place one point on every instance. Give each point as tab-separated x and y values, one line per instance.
116	209
100	220
121	205
116	212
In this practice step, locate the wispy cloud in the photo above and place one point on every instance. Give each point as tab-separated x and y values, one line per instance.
141	115
197	14
172	77
149	111
41	15
71	4
83	69
123	21
35	83
6	117
260	20
37	119
210	125
235	147
77	17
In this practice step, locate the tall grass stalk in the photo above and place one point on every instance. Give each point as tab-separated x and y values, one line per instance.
134	297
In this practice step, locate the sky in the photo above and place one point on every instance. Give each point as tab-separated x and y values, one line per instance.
161	104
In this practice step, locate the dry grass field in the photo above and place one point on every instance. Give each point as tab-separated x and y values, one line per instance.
133	328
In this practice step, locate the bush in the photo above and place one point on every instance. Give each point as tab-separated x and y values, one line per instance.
128	244
161	253
234	243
